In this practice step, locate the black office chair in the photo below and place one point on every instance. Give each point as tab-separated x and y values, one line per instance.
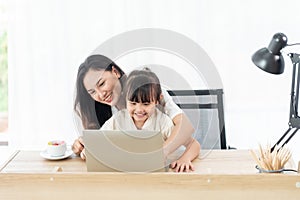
205	110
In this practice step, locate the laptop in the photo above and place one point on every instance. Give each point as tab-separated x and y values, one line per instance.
124	151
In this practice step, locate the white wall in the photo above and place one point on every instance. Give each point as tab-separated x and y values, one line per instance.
49	39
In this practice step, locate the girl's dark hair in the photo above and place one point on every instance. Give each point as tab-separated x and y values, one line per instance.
143	86
92	113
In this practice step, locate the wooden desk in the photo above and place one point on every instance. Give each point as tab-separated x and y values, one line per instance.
32	162
211	162
219	174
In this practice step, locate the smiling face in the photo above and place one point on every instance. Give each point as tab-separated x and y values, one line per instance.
143	93
140	111
103	86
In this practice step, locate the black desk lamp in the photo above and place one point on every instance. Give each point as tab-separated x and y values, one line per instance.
270	60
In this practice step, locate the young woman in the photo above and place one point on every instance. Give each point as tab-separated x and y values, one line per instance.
143	96
99	93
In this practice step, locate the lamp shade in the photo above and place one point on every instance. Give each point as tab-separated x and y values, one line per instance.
270	59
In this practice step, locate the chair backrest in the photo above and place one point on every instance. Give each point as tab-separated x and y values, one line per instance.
205	110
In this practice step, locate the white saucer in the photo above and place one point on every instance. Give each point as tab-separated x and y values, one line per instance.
44	154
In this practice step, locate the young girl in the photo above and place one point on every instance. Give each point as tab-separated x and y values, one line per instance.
144	112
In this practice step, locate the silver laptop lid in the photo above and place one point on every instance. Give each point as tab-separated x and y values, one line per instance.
127	151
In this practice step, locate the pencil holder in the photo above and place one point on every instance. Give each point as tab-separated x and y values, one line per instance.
269	161
261	170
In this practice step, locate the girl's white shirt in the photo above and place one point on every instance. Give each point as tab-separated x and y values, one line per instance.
158	121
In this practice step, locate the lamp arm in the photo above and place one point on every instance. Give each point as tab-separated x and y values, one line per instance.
294	120
288	45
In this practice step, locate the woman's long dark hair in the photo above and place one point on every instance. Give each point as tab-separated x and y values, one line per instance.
92	113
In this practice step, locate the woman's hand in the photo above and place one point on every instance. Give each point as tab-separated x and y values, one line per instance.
182	165
78	147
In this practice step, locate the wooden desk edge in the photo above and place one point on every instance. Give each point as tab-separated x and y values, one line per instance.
144	180
148	186
10	158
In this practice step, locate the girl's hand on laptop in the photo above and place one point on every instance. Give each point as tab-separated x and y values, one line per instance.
182	165
82	154
78	146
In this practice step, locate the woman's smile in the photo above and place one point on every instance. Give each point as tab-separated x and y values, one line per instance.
108	98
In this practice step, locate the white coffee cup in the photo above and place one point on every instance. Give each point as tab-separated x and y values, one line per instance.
56	148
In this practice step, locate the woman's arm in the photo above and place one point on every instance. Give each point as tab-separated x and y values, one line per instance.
181	133
183	128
